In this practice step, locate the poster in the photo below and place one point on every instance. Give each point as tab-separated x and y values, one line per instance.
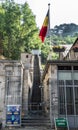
13	115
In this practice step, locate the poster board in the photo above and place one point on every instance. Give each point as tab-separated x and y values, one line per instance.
13	115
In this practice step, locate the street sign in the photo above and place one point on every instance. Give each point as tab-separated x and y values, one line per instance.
61	122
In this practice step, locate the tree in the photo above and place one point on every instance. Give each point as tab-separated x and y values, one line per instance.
11	29
1	28
18	28
29	28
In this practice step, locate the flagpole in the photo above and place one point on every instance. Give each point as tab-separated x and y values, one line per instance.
49	14
49	23
49	33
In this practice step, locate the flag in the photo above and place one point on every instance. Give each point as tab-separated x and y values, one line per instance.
44	28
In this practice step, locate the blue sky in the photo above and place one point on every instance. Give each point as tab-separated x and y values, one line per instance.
61	11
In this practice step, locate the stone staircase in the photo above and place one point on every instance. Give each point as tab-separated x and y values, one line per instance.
35	115
35	121
36	91
35	98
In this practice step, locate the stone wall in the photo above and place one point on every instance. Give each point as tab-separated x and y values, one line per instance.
27	61
10	78
50	93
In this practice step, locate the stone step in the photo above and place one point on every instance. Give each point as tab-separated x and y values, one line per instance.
35	121
35	124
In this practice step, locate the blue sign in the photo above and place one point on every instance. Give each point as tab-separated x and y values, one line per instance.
13	115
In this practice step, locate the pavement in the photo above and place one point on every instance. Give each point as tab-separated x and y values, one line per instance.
28	128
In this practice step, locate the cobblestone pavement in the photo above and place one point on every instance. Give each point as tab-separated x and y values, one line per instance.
29	128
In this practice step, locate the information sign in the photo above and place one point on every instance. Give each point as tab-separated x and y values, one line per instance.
61	122
13	115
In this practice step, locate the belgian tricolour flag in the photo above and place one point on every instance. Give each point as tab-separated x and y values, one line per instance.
44	28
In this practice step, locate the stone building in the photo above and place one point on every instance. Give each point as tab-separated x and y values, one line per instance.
60	87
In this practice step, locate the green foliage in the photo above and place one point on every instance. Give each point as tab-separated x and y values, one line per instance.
55	56
45	52
63	34
65	29
19	32
11	28
29	29
59	40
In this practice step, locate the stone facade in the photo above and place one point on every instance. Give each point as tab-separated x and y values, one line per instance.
50	93
11	74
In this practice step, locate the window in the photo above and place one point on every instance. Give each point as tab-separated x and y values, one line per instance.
64	67
60	82
75	82
69	82
68	89
64	75
76	100
69	99
62	100
26	56
75	75
75	67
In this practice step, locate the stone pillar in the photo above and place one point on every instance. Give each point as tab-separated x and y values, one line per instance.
53	95
25	92
2	94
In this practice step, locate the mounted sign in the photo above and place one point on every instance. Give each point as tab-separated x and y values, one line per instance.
61	122
13	117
